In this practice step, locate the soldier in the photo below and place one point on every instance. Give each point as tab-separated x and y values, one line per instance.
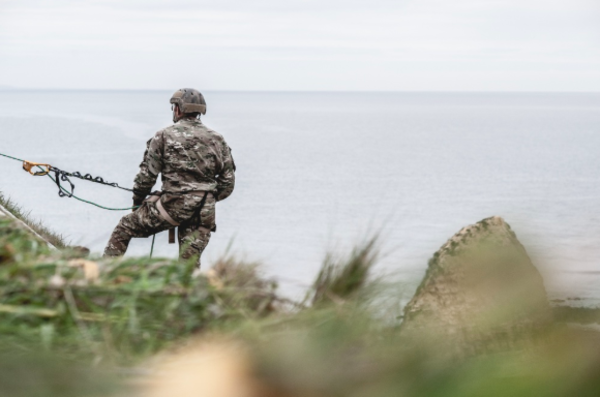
197	171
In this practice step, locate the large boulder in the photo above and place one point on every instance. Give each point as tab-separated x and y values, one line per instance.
481	293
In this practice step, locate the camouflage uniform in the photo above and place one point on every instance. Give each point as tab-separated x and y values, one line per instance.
194	161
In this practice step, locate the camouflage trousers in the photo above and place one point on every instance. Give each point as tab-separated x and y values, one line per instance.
193	233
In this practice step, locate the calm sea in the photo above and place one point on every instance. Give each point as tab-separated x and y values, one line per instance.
318	172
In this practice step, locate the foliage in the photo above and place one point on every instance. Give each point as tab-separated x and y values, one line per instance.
347	353
579	315
120	310
39	374
55	239
77	327
342	279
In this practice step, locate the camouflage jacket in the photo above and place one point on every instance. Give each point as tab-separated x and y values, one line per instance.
190	157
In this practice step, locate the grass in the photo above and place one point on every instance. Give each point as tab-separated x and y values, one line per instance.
332	352
578	315
53	238
343	279
80	327
119	310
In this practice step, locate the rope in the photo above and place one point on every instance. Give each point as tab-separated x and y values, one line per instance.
64	192
11	157
152	247
64	176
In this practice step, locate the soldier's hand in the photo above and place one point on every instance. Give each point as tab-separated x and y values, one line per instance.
136	204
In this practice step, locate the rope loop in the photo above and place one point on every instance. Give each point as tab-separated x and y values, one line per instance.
62	176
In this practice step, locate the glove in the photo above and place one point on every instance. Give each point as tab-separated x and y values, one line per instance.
137	202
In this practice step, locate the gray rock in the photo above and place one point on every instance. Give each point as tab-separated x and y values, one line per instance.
481	293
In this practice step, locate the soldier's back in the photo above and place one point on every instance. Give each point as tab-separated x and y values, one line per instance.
192	156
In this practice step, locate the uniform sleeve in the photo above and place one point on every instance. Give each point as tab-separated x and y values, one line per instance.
150	167
226	177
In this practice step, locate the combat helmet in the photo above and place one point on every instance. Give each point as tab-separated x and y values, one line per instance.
189	100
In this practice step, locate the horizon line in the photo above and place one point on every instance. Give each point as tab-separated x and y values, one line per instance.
9	89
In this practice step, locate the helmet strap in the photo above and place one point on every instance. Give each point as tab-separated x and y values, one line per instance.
176	116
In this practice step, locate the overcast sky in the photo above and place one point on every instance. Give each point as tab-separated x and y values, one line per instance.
458	45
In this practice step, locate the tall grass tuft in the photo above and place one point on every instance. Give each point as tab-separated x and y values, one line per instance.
341	279
241	287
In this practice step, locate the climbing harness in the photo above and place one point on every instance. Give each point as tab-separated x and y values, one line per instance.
61	176
197	218
154	197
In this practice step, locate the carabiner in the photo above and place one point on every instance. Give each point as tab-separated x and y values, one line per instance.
45	168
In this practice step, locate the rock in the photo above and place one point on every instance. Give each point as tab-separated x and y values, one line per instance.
481	293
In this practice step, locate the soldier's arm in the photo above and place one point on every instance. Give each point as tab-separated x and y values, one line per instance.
150	167
226	177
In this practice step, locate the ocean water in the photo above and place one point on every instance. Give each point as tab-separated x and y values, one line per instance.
319	172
